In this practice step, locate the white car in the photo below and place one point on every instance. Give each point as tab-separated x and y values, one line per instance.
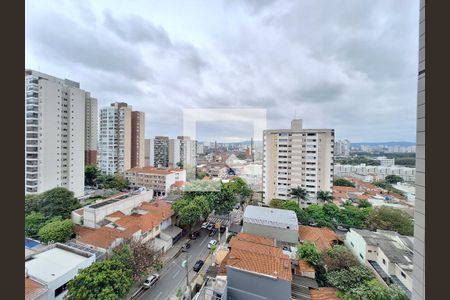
151	280
212	243
205	224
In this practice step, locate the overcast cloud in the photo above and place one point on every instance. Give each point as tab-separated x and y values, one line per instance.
350	65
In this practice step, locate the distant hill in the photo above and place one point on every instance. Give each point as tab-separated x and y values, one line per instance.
400	144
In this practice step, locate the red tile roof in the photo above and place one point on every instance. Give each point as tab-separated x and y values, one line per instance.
102	237
324	293
322	237
304	266
33	289
257	254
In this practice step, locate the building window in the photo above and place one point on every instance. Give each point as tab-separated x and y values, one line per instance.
403	274
384	261
351	243
360	255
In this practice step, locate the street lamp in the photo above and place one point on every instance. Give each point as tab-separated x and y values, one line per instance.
185	264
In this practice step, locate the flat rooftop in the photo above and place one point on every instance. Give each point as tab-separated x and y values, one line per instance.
53	263
271	217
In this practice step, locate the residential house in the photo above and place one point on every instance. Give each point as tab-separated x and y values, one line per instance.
387	253
279	224
322	237
256	269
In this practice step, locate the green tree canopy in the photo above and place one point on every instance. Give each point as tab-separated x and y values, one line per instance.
343	182
57	231
32	203
325	196
190	214
57	202
276	203
393	179
363	203
348	279
91	172
33	222
299	193
308	252
202	203
104	280
338	257
389	218
373	289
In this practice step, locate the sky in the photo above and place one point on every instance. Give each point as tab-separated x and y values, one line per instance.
350	65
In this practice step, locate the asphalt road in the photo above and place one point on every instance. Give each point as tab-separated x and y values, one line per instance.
173	275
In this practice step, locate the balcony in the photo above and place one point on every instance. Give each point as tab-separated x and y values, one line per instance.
32	122
32	115
31	143
32	149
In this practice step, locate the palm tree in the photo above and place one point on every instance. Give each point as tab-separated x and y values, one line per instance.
325	196
300	193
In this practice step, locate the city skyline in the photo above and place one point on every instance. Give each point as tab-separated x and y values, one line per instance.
237	55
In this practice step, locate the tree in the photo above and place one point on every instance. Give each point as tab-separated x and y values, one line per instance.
202	203
373	289
58	202
308	252
32	203
325	196
393	179
104	280
91	172
222	202
120	182
179	204
33	222
363	203
343	182
300	193
139	258
240	188
56	231
348	279
389	218
276	203
189	215
338	257
353	216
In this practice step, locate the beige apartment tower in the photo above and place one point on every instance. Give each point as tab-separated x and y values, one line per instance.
90	130
297	157
137	139
114	148
55	135
418	292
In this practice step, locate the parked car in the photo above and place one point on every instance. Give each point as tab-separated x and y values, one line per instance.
223	228
195	234
205	225
210	226
151	280
198	265
213	232
186	246
212	243
341	228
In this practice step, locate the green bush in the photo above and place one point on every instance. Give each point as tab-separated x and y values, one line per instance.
56	231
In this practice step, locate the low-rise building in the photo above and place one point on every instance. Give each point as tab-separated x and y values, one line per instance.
48	272
93	215
387	253
322	237
161	181
256	269
143	223
279	224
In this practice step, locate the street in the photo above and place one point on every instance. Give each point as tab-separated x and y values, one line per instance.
173	275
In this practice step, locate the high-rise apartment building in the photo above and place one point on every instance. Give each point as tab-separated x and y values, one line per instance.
297	157
54	133
419	214
342	148
90	130
161	151
137	139
182	152
149	150
114	148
